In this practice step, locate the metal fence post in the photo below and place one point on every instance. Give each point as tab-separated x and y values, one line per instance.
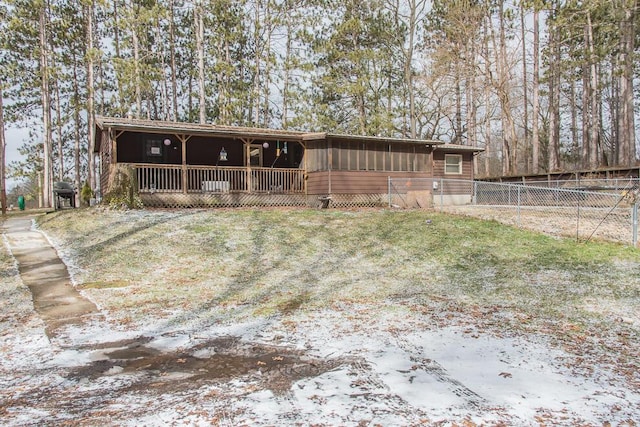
518	207
389	189
441	194
634	232
474	196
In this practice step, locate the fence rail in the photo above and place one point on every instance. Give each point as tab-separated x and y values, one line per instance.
598	209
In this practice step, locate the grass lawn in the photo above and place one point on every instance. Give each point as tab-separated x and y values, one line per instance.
324	317
234	264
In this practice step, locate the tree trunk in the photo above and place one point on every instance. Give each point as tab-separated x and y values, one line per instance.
136	64
535	133
614	112
408	69
76	132
257	75
626	132
553	151
488	146
91	97
60	174
458	122
266	84
165	104
594	107
286	77
503	90
3	177
47	185
199	23
525	91
172	64
575	143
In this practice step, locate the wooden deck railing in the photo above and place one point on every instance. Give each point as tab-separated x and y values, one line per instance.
214	179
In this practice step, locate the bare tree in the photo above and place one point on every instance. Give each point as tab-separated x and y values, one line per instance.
626	129
3	177
591	119
525	86
502	83
535	132
409	17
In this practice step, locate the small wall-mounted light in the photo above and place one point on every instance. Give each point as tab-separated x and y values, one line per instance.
223	155
265	145
167	142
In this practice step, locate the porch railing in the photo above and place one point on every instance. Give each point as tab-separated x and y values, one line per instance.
214	179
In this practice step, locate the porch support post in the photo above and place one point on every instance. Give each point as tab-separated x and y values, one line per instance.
183	144
114	147
247	162
329	162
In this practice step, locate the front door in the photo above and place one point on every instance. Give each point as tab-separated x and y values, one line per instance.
255	155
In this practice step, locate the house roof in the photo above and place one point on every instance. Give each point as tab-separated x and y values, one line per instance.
384	139
459	148
165	127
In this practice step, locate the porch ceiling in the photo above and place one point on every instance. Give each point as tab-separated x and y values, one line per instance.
163	127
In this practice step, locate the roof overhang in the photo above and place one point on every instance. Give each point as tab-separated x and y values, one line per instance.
456	148
179	128
384	139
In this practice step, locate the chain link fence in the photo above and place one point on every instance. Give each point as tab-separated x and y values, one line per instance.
605	210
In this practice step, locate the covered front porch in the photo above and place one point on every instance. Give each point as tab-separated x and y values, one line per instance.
199	160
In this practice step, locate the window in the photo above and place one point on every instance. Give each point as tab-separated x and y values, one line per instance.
453	164
154	147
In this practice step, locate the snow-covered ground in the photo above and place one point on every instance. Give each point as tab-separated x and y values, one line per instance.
351	363
353	366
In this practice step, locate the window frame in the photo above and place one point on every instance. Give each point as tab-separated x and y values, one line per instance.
456	156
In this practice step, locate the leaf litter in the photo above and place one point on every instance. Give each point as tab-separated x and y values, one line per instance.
231	318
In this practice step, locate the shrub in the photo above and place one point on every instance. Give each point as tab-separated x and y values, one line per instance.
123	191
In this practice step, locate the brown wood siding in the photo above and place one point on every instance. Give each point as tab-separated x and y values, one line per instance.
467	166
318	182
358	182
105	161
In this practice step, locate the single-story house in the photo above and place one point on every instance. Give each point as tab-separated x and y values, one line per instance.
198	165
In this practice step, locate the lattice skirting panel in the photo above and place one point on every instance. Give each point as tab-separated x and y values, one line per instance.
232	200
229	200
356	200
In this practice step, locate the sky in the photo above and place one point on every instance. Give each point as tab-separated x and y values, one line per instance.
14	137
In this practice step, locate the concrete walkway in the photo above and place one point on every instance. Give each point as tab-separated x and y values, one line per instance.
56	301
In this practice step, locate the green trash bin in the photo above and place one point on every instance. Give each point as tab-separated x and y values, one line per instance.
21	202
